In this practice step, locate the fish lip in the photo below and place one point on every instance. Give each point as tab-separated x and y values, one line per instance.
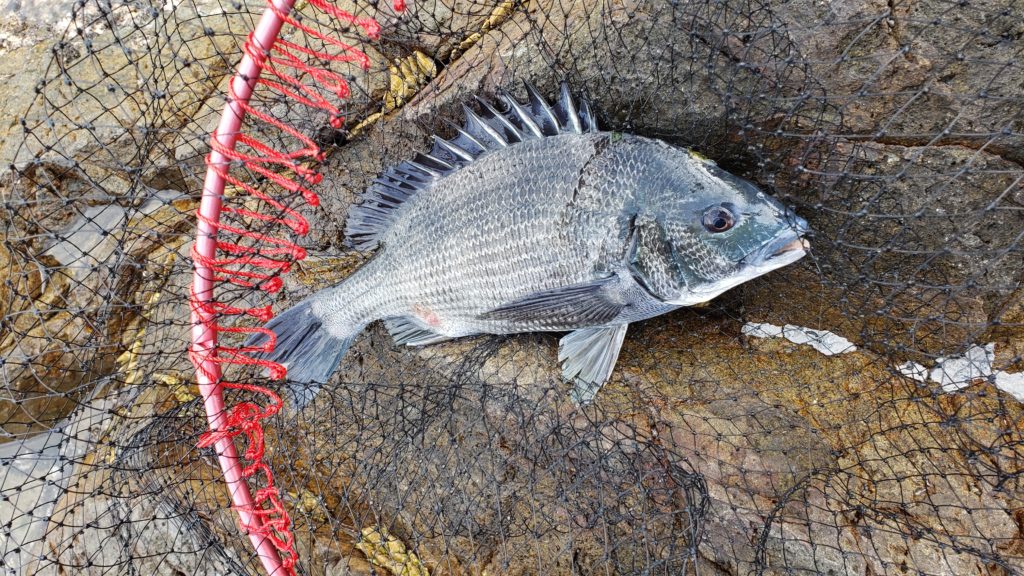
795	244
786	248
788	241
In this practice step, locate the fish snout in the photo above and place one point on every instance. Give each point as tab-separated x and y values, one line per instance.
796	223
791	246
788	241
787	247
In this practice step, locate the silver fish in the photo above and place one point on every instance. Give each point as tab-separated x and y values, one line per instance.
531	219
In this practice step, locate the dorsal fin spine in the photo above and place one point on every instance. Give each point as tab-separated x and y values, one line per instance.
510	130
541	110
435	166
518	112
482	130
587	117
464	139
453	149
570	117
489	130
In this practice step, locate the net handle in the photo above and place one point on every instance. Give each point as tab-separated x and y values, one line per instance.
204	334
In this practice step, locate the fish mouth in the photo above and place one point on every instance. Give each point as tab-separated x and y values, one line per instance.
781	251
785	249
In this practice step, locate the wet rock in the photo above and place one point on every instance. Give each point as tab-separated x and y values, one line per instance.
137	498
76	307
932	231
916	73
33	55
630	43
38	471
823	341
96	237
92	117
866	425
910	262
776	451
142	95
40	358
34	471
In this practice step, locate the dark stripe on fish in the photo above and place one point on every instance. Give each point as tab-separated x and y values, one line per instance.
600	145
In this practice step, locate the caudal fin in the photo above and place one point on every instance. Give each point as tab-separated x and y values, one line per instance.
308	351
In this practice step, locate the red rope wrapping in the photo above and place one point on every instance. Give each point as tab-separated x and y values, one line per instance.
260	266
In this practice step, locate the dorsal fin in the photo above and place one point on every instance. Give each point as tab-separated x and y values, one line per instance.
489	129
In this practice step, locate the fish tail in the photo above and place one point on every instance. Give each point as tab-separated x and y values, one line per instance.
305	347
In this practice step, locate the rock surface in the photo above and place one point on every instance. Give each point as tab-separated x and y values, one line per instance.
895	128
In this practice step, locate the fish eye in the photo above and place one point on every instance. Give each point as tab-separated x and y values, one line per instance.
718	219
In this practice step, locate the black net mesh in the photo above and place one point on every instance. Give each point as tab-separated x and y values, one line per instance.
856	413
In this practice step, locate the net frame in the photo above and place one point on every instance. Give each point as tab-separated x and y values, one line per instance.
262	515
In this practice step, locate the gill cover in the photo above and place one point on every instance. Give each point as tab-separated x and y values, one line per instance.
652	259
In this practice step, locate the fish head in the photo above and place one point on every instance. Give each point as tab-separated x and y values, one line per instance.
713	231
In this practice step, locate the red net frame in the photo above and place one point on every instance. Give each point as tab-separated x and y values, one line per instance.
276	65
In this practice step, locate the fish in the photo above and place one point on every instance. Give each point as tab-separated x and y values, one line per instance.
532	219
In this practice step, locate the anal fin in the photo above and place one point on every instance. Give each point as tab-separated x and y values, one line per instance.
588	356
408	332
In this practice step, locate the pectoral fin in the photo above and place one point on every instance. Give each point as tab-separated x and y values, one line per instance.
595	302
588	357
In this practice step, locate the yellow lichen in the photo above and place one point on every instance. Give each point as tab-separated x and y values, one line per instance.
469	41
406	77
310	504
498	15
183	391
700	157
128	361
388	552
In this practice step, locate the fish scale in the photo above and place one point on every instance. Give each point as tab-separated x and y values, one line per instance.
531	219
468	238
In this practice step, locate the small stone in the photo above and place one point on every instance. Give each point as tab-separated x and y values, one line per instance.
823	341
1011	383
913	370
960	371
761	330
